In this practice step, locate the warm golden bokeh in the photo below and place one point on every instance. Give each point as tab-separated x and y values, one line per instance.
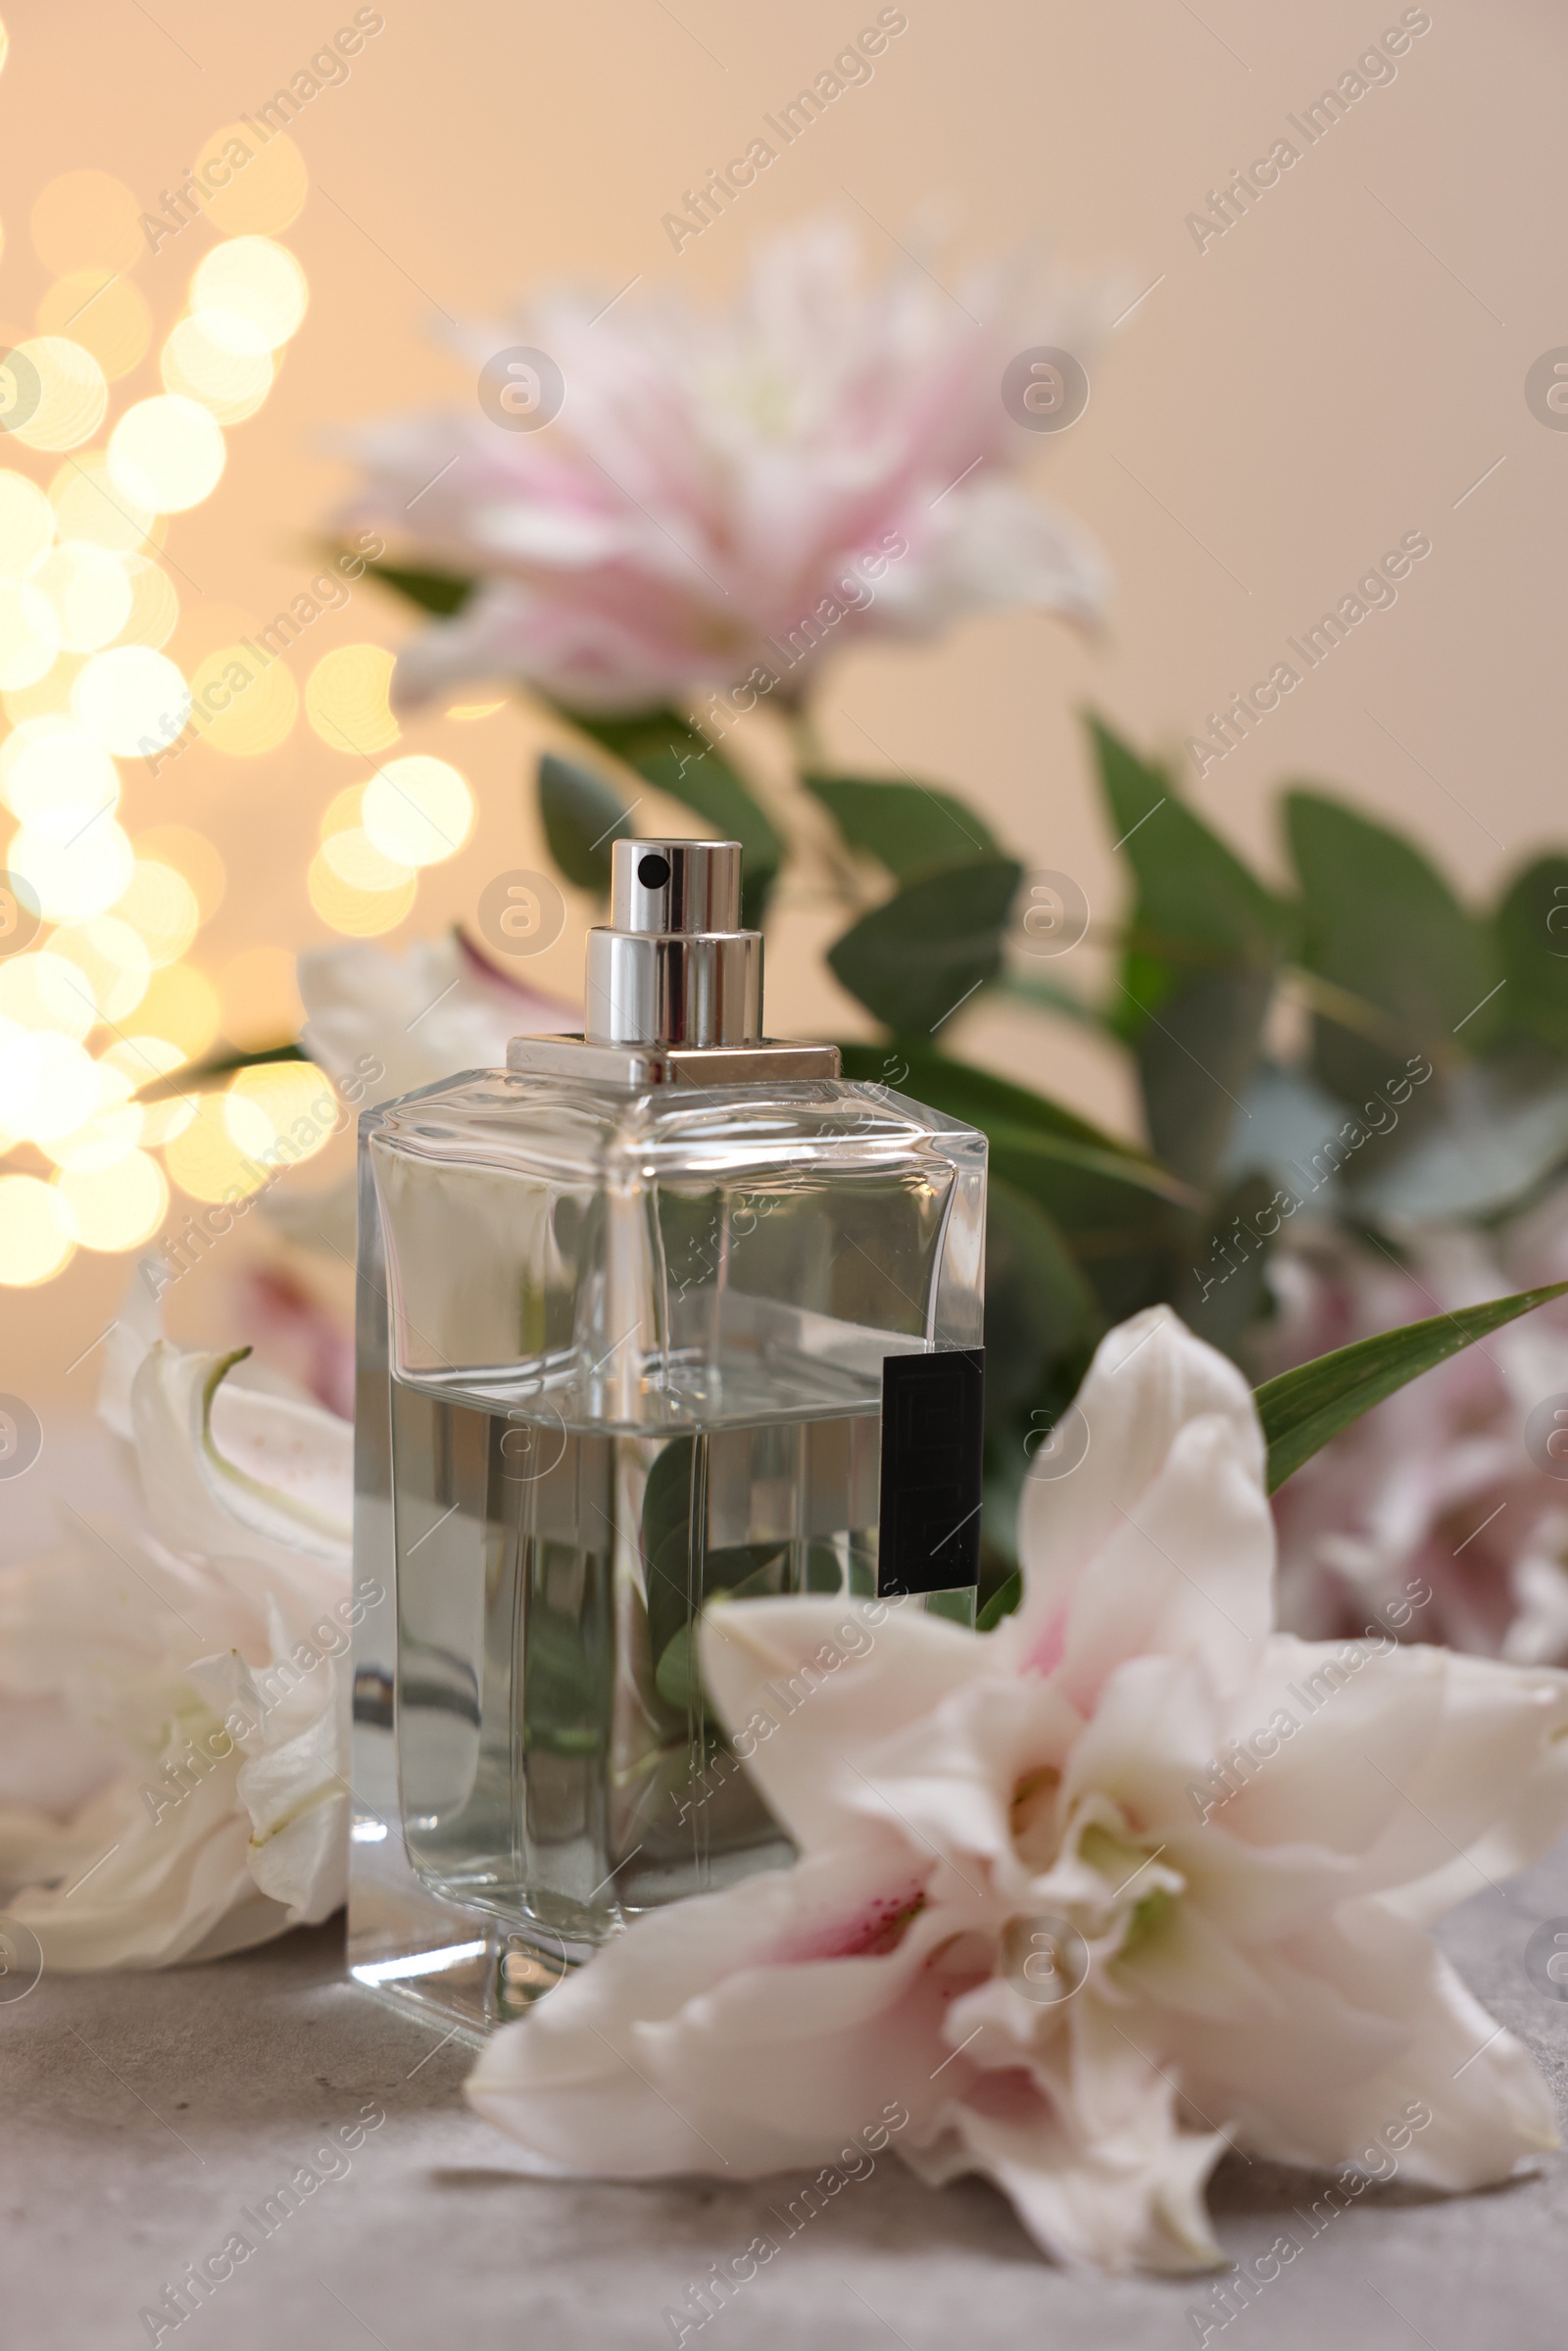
118	1208
257	283
84	220
259	997
88	504
346	700
70	395
36	1239
131	700
253	190
159	907
106	313
218	1155
241	706
113	661
30	634
192	855
165	454
180	1006
26	526
356	912
90	591
210	357
418	810
113	958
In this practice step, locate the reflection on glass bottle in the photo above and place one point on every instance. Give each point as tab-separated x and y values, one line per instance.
632	1313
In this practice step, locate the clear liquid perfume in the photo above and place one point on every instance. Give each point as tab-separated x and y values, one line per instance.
663	1317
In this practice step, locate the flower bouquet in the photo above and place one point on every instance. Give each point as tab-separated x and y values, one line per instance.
1134	1871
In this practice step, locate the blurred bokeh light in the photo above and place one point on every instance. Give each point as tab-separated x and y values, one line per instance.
114	663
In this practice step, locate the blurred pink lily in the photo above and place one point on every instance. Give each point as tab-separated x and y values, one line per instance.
726	496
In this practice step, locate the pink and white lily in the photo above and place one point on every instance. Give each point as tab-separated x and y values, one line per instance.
1090	1897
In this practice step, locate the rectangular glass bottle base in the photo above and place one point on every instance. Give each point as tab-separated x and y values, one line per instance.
534	1759
441	1960
624	1359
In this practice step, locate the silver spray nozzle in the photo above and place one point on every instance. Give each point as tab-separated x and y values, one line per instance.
674	965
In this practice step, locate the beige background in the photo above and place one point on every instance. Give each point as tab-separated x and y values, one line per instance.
1279	409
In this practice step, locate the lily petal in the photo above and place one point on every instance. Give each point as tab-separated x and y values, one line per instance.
1150	1376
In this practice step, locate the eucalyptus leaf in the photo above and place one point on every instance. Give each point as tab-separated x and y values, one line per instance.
1205	939
1381	923
1195	1058
978	1095
582	815
1225	1294
1040	1309
1286	1122
442	593
562	1674
1532	932
911	828
917	959
1303	1409
1197	906
679	760
677	1583
677	1676
667	1517
1124	1219
1054	996
1504	1127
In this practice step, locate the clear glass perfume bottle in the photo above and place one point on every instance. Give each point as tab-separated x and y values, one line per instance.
660	1317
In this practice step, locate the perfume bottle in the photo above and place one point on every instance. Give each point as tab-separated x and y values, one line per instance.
665	1317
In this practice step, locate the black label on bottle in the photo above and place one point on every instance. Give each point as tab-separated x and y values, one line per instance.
932	1412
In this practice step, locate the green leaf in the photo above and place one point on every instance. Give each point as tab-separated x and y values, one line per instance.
1197	906
974	1094
1224	1295
1038	1307
677	1677
1126	1221
679	760
1205	939
667	1540
913	829
582	815
1003	1601
677	1586
1502	1128
1092	1185
1532	932
1054	996
1303	1409
1286	1122
1382	923
1116	1208
1196	1058
914	960
199	1077
564	1677
443	593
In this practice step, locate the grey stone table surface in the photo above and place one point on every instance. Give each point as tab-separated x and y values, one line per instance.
142	2115
146	2117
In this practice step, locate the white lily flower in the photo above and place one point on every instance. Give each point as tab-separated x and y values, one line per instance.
381	1024
1091	1896
202	1664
